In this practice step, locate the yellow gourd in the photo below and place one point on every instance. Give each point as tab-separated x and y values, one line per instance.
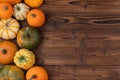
9	28
24	59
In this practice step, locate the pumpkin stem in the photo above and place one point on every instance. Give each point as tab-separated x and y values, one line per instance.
33	77
7	24
27	32
18	8
4	51
5	7
33	15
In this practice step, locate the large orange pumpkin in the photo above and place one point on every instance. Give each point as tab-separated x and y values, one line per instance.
6	10
33	3
7	52
12	2
36	18
36	73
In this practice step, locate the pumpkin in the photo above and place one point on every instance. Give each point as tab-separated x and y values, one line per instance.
6	10
12	2
11	72
7	52
28	38
20	11
34	3
24	59
36	73
36	18
9	28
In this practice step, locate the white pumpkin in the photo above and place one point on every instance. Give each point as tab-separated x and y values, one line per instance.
9	28
20	11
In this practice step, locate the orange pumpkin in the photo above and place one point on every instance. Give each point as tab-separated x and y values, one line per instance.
7	52
12	2
36	18
33	3
36	73
6	10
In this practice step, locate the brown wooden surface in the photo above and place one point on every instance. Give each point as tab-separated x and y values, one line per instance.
81	40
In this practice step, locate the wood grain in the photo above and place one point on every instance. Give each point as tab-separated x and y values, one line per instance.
81	40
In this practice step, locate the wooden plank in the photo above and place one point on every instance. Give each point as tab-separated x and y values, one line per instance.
59	43
77	23
78	56
81	6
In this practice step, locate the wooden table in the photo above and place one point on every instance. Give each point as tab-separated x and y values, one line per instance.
81	40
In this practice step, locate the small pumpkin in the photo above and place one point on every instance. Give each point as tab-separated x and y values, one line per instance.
12	2
9	28
28	38
6	10
20	11
7	52
37	73
36	18
34	3
11	72
24	59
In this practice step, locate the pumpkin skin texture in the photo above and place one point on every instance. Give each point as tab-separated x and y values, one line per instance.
24	59
20	11
12	2
7	52
33	3
36	73
11	72
36	18
28	38
6	10
9	28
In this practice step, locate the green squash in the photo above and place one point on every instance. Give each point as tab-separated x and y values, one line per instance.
28	38
11	72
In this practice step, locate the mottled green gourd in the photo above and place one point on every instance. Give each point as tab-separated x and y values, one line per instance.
11	72
28	38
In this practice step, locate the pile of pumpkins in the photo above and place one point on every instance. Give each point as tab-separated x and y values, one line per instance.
11	12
